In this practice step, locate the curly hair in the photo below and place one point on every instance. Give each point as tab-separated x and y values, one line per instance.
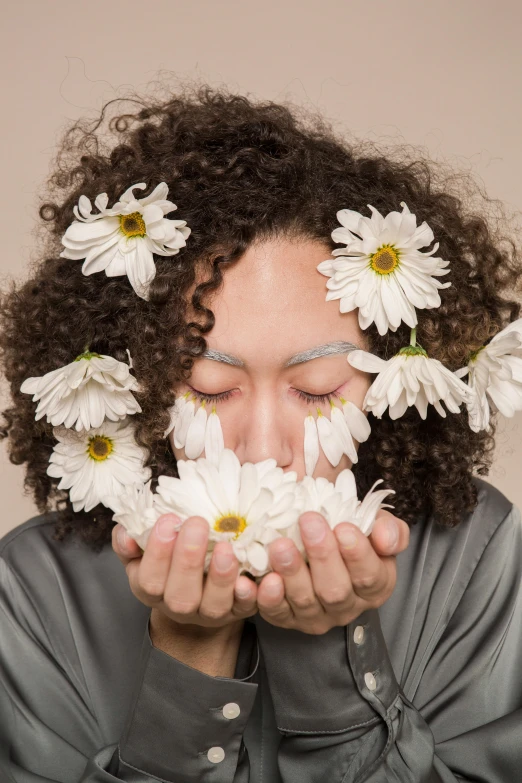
243	170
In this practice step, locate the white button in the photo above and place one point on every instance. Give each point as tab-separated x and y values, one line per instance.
215	755
370	681
231	710
358	634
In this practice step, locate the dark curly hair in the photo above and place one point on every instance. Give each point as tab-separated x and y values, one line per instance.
243	170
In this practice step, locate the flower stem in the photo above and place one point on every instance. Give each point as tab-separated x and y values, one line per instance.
413	337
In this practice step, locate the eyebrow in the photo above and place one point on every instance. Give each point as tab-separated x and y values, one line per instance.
328	349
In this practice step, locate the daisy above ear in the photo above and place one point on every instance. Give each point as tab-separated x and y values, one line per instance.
122	240
381	270
410	378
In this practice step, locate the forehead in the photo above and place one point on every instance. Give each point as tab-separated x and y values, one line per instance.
273	302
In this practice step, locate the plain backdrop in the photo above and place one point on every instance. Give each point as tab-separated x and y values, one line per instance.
445	75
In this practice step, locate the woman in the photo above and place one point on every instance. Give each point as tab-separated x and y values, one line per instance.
389	656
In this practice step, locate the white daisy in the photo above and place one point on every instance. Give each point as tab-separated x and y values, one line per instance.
410	378
495	375
82	394
122	240
246	504
381	270
334	435
99	462
134	510
339	503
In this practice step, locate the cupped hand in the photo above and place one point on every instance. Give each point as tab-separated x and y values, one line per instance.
169	575
348	573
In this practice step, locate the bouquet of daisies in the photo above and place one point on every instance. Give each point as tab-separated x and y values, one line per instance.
249	505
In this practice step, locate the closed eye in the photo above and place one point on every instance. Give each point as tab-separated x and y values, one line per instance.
306	396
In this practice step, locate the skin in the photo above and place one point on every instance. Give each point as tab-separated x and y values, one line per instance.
271	306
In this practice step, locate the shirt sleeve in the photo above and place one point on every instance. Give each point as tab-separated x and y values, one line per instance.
182	725
344	716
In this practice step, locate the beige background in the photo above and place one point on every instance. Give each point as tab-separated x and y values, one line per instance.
445	75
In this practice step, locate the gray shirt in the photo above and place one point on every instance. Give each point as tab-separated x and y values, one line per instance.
426	688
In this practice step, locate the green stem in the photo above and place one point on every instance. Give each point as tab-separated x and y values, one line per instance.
413	337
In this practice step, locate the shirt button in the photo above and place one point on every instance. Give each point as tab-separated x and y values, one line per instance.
215	755
358	634
231	710
370	681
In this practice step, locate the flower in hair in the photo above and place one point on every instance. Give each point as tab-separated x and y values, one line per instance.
410	378
99	462
82	394
339	502
495	375
381	270
123	239
335	435
245	504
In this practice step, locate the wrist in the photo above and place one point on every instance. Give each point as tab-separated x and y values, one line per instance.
210	650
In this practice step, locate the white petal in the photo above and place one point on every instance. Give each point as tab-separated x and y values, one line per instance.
329	440
195	442
311	444
214	442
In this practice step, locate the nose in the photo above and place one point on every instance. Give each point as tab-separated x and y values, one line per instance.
263	434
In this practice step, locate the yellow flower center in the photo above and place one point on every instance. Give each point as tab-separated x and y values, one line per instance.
384	260
230	524
99	447
133	225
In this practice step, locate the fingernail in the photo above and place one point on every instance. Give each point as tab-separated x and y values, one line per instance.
167	527
194	537
393	533
313	529
123	538
347	538
242	592
284	556
273	588
222	560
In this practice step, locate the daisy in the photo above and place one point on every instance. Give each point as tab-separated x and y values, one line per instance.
247	504
96	463
495	375
134	510
334	435
381	270
122	240
82	394
339	503
410	378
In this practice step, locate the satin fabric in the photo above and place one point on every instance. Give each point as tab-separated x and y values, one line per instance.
85	697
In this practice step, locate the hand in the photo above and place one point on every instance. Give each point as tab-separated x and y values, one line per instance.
344	578
169	577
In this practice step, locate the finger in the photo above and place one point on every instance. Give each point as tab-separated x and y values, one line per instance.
151	578
245	597
123	545
330	577
184	586
390	535
297	579
271	601
218	592
372	577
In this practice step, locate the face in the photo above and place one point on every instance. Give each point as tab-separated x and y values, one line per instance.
272	307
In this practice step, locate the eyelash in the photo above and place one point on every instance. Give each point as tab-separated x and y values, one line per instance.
309	398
